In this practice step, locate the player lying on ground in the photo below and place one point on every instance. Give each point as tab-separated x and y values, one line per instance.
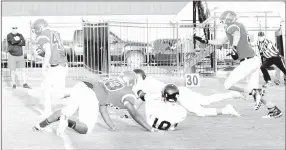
143	87
165	110
117	92
249	65
82	100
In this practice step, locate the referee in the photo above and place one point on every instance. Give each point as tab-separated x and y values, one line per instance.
270	55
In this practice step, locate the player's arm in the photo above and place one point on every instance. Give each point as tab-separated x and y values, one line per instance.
22	41
11	40
48	53
105	115
127	101
218	41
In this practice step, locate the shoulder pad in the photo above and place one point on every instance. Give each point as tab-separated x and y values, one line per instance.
232	28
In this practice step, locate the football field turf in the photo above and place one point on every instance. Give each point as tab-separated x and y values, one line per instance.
224	132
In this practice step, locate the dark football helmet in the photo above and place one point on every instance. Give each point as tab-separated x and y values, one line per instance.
39	25
141	73
170	93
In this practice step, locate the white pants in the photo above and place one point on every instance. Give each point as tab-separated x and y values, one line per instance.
248	69
83	100
54	83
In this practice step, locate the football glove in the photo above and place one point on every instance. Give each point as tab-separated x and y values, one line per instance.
40	52
233	53
204	41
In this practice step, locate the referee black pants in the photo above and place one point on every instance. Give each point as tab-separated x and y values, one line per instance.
277	61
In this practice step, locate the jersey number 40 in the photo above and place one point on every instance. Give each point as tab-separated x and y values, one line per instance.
163	125
57	42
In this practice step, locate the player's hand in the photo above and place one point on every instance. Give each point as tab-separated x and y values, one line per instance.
17	38
40	52
204	41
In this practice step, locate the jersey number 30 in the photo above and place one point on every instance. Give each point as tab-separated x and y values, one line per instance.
164	125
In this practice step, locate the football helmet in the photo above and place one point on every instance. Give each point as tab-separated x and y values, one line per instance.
129	77
170	93
140	72
39	25
228	17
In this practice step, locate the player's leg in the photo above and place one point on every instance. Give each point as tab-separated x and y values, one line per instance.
205	112
280	63
88	110
12	68
266	64
46	87
21	65
245	69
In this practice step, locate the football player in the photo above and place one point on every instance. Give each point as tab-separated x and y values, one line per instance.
54	67
82	100
118	93
165	110
250	63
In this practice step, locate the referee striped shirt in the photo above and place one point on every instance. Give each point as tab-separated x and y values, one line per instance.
267	49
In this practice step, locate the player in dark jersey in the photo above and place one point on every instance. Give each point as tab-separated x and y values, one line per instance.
250	63
54	67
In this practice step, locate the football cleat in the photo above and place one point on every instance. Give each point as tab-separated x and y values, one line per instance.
267	84
274	113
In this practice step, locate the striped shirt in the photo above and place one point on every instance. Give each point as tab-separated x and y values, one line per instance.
267	49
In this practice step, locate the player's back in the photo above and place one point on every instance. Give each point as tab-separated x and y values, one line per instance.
244	48
150	85
164	115
58	55
111	91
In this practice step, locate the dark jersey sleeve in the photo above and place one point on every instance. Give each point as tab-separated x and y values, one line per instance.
232	28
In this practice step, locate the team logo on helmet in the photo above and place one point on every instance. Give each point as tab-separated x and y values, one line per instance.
228	17
39	25
170	93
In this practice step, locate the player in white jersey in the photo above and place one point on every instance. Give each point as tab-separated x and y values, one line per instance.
82	100
166	110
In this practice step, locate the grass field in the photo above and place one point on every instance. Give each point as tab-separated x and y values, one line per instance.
247	132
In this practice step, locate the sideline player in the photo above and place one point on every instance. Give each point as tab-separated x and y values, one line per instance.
54	67
82	100
249	66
